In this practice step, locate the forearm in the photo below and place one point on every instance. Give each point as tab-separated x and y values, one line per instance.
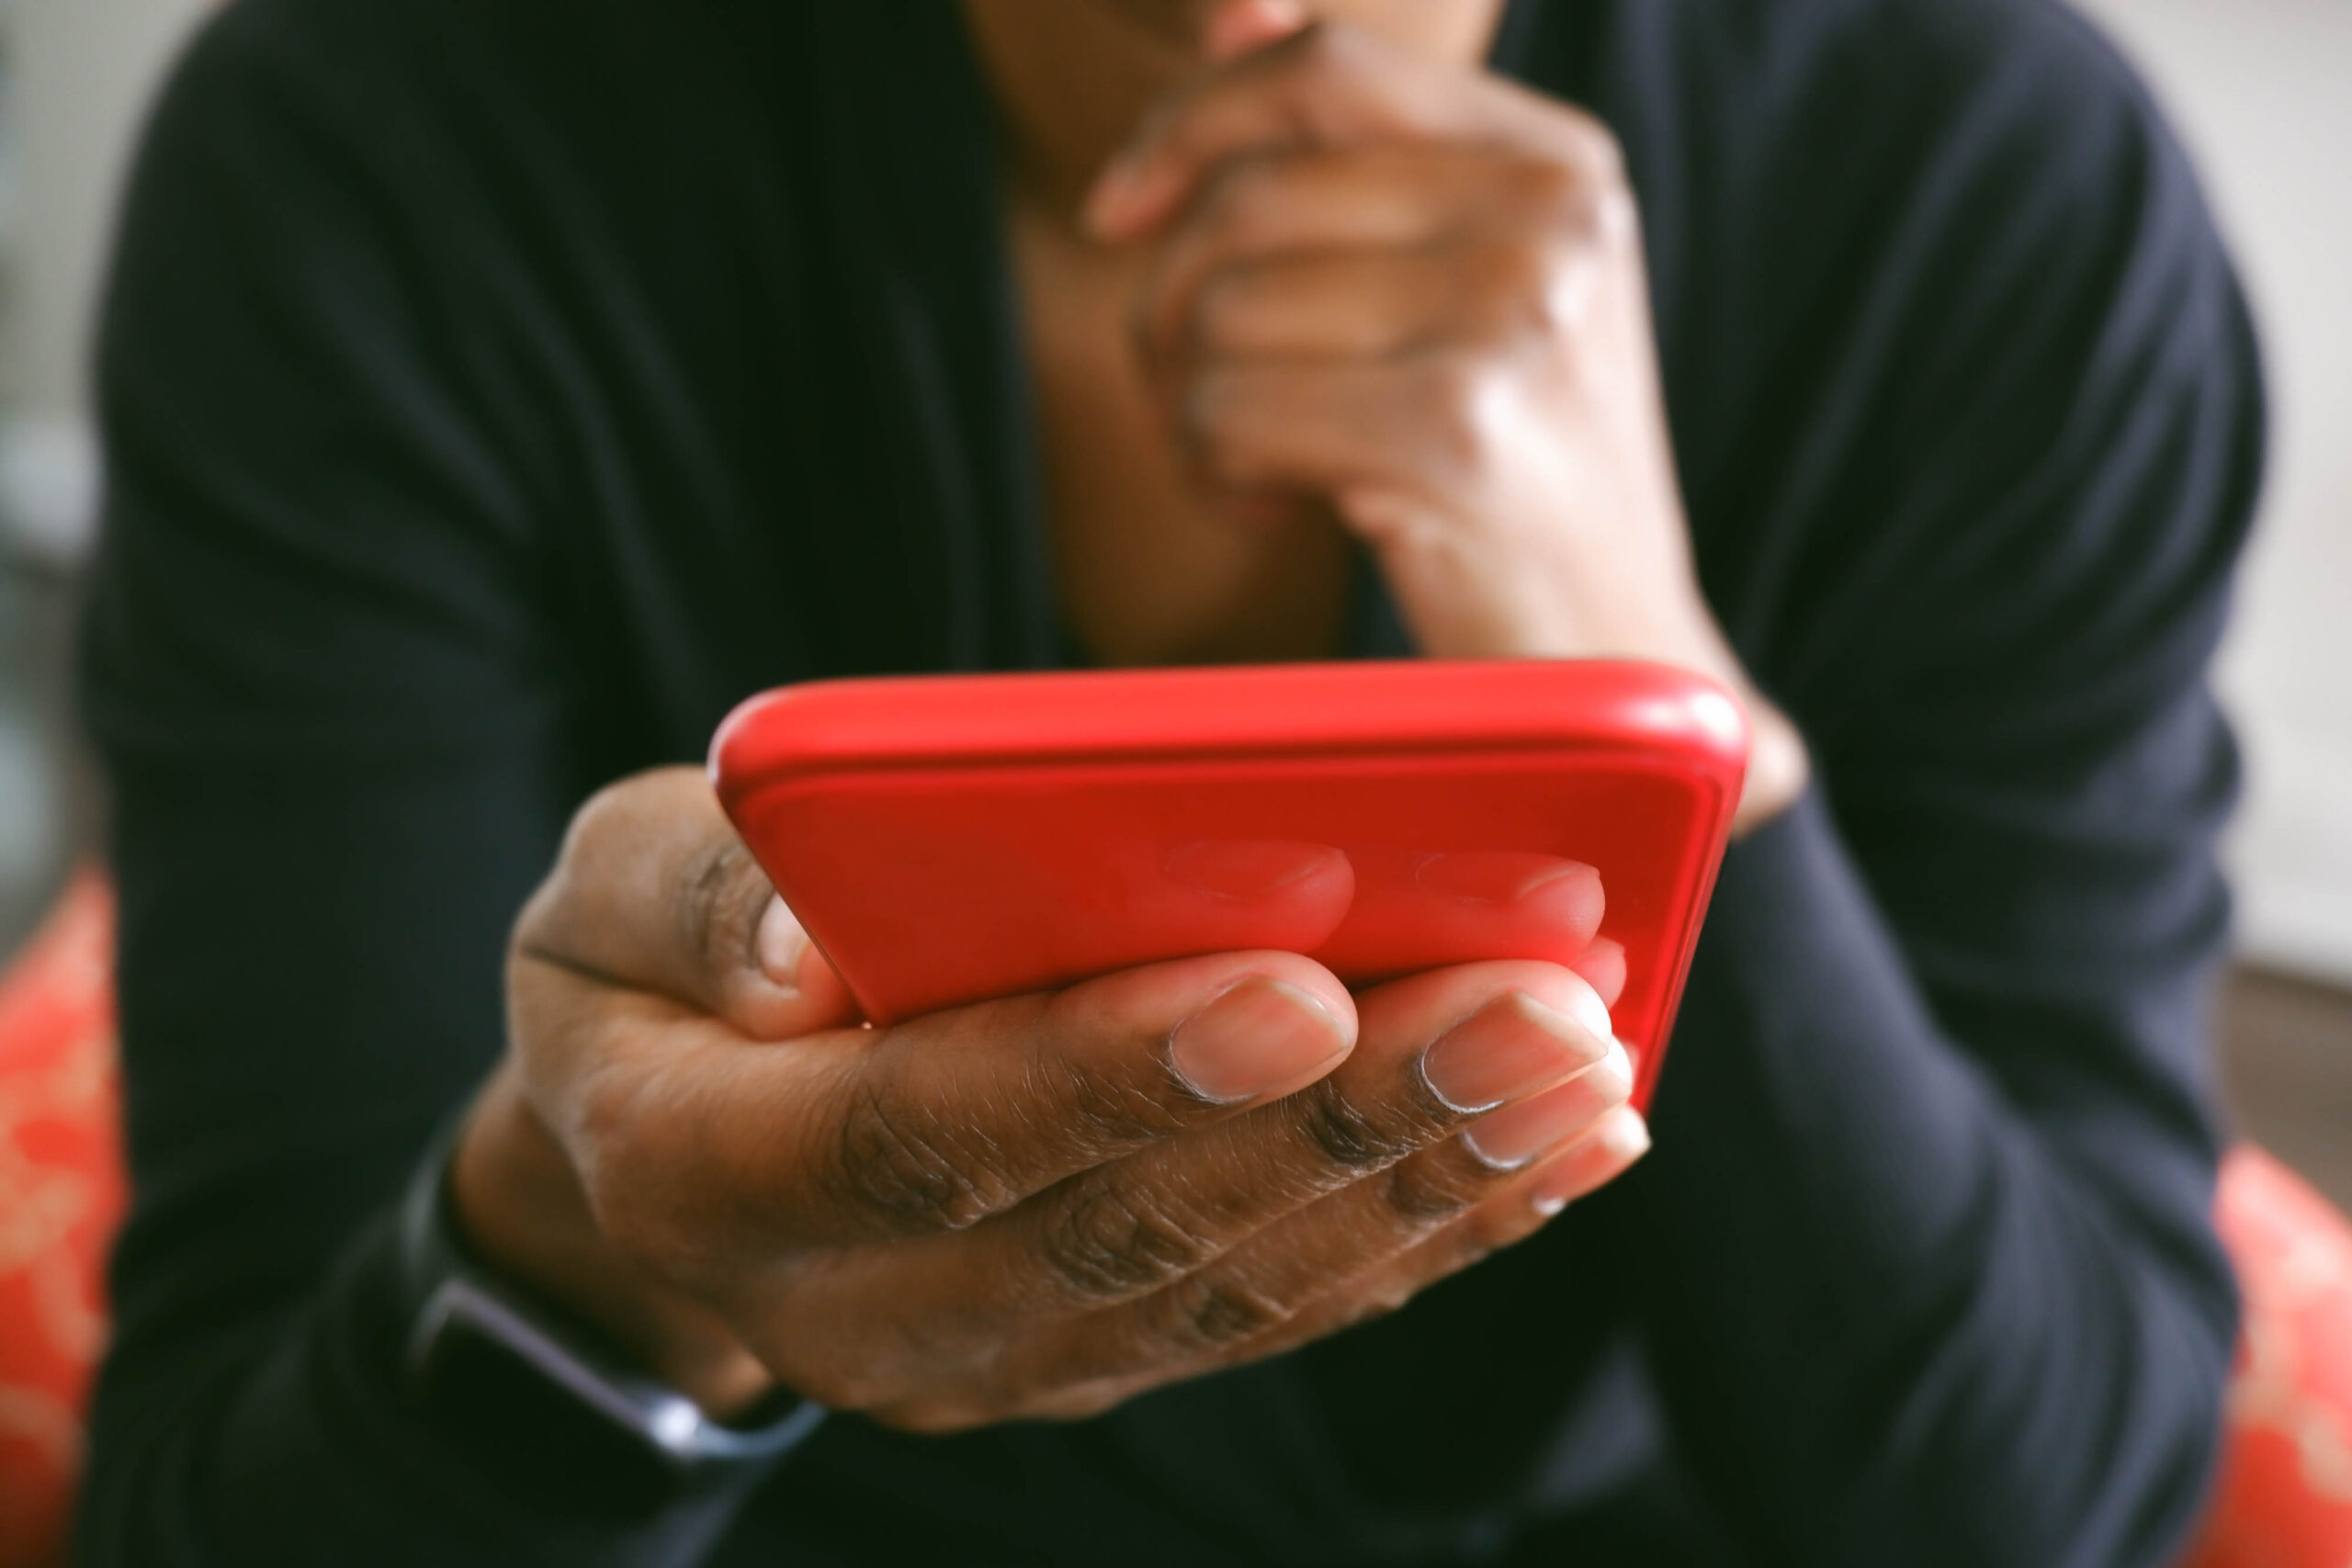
1919	1321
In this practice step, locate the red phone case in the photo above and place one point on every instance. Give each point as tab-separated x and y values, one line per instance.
950	839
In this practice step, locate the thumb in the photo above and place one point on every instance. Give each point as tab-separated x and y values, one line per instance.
803	993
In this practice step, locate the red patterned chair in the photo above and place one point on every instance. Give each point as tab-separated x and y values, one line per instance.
2285	1496
60	1196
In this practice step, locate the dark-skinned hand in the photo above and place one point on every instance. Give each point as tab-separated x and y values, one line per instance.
1417	292
1035	1207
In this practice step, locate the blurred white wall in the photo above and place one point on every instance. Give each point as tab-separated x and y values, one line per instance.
83	69
77	72
2262	89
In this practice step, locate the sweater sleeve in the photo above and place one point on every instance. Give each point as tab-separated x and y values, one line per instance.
316	663
1926	1254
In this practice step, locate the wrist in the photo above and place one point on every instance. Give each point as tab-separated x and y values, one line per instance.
1559	616
1677	628
1673	624
1780	768
517	1206
1779	765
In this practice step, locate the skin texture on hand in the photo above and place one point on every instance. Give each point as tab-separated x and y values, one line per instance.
1415	293
1037	1207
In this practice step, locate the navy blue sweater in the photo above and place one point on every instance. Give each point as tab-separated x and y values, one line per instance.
496	391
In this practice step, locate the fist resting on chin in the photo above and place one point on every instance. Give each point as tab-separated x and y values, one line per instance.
1414	294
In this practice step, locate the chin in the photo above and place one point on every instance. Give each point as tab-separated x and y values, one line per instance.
1176	24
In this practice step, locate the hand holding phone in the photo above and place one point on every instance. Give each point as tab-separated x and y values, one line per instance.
1206	1013
1034	1206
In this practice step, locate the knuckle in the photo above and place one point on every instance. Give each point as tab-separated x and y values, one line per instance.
719	898
1240	201
605	815
606	1126
537	926
1586	146
1547	186
1522	267
1108	1244
1207	1313
1583	196
1520	278
1346	1134
603	820
908	1169
1613	215
1102	1111
1114	1114
544	1006
1595	216
1456	417
1424	1193
1601	155
632	1190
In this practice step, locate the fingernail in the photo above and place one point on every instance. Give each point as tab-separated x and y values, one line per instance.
1251	869
781	944
1622	1137
1587	1008
1602	964
1513	1046
1624	1133
1500	878
1259	1035
1517	1134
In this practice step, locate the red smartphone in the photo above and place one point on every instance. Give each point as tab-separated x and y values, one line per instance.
951	839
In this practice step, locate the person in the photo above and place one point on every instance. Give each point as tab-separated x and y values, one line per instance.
494	393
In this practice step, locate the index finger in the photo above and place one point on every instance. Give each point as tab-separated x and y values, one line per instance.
1327	85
